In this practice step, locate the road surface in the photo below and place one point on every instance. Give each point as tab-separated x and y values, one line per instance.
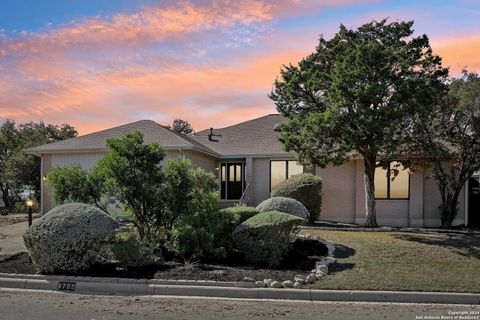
60	306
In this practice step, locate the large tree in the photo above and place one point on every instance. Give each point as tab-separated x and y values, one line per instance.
352	95
19	171
446	138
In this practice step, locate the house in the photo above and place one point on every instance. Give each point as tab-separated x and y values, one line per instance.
249	161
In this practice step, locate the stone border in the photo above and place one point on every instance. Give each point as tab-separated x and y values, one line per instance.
137	287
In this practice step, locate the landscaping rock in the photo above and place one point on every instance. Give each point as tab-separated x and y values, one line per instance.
287	284
267	282
299	278
327	261
276	284
248	279
319	275
322	267
297	284
311	278
68	238
260	284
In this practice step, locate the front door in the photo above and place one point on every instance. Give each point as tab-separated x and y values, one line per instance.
232	180
474	202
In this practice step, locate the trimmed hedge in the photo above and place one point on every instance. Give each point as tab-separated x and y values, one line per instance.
306	188
283	204
266	237
68	238
240	213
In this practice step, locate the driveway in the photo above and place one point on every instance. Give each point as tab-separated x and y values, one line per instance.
11	239
56	306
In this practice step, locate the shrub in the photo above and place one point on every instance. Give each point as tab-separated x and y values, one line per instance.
68	238
282	204
131	252
240	213
266	237
204	232
306	188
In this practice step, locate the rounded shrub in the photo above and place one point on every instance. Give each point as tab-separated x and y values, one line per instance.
283	204
306	188
239	213
266	237
68	238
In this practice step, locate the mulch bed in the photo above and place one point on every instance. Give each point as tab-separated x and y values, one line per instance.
300	260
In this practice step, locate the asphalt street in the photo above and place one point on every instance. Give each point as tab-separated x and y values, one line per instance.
60	306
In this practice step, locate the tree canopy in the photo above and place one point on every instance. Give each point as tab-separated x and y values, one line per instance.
20	171
181	126
352	96
446	138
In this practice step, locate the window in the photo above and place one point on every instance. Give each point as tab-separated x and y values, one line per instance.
391	186
282	170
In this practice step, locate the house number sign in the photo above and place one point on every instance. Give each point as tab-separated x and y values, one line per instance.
66	286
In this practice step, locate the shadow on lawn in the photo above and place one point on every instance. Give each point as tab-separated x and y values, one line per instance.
342	252
468	246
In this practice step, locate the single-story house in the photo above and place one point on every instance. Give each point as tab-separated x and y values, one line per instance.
249	161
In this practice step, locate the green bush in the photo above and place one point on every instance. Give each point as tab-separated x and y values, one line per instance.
68	238
204	232
306	188
130	251
266	237
283	204
240	213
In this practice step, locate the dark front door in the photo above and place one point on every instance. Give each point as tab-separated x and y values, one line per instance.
474	202
232	180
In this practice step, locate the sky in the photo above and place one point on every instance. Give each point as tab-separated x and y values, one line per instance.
95	64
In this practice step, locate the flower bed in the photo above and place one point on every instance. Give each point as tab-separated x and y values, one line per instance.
301	259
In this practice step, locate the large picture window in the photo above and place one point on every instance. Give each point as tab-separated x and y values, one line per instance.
281	170
391	186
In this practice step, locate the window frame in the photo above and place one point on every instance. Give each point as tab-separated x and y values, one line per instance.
286	171
388	185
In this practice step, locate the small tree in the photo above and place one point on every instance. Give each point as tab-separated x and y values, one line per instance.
132	170
181	126
353	94
77	185
446	137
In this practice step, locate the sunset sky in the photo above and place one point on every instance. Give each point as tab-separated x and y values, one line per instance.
95	63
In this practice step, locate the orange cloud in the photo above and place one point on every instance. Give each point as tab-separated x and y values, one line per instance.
459	53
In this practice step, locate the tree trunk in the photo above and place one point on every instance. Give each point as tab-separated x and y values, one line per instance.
449	209
8	201
369	181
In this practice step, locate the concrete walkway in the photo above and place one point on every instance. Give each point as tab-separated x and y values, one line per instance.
11	239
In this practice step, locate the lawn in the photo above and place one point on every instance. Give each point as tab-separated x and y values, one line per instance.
402	261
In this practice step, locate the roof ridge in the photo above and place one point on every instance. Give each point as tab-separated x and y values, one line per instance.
247	121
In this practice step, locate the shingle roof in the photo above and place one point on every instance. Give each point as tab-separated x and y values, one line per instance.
254	137
152	131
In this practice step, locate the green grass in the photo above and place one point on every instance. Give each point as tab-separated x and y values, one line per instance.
402	261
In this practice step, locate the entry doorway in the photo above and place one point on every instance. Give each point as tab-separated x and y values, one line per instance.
474	202
232	180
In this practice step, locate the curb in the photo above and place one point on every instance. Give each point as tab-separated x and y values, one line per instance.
120	286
